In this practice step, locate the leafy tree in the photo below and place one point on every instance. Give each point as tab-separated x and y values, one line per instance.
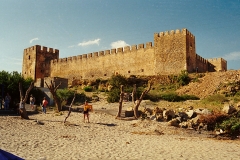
10	81
116	81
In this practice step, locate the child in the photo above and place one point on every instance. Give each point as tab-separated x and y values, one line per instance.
44	105
86	109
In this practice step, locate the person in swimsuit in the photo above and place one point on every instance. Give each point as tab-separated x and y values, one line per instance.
86	109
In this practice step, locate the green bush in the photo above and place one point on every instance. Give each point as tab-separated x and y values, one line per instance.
88	89
113	95
174	97
231	125
216	98
189	97
171	97
64	95
183	78
117	80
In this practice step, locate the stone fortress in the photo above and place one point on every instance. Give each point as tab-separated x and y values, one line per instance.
172	52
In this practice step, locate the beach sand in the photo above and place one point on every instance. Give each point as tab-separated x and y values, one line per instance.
45	136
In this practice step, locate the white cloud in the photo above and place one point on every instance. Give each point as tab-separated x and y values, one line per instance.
119	44
71	46
91	42
232	56
34	39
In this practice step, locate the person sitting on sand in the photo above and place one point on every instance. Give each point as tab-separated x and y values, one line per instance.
86	109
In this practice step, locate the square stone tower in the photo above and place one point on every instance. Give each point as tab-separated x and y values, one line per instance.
36	61
174	51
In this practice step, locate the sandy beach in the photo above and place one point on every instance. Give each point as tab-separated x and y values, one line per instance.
45	136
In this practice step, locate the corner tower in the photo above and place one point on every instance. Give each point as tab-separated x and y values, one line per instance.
36	61
174	51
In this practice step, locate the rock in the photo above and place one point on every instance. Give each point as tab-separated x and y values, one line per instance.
195	120
190	107
202	111
190	113
183	115
174	122
149	111
228	109
153	117
157	110
159	117
168	114
198	110
129	109
238	105
184	125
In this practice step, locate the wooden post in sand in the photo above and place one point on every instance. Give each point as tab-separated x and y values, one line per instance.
120	102
70	108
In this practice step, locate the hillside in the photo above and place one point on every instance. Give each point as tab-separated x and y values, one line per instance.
213	82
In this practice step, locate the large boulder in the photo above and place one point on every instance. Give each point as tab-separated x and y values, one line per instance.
229	109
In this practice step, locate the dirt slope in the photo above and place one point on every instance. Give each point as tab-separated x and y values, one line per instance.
208	84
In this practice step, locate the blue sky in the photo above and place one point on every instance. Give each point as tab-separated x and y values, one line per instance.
78	27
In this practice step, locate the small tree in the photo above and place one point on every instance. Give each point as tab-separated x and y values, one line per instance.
23	99
53	90
137	104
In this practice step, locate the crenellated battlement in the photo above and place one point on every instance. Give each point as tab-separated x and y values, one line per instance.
113	51
41	49
201	59
183	31
212	60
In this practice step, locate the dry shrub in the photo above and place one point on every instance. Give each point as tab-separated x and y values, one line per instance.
212	119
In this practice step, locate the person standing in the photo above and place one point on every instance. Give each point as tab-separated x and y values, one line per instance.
32	101
86	109
7	100
44	105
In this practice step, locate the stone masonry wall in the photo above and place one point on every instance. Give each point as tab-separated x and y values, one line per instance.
170	52
125	61
173	51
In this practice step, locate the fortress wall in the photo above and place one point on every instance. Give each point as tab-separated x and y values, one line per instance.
135	60
173	51
170	51
201	64
219	64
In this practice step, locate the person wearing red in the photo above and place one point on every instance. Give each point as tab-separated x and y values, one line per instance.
44	105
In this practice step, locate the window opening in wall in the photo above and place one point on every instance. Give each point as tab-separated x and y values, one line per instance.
29	57
129	72
142	70
105	74
92	75
116	73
